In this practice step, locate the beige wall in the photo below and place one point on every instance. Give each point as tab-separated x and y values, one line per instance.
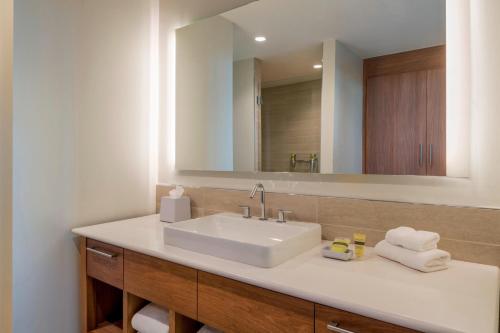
291	123
6	25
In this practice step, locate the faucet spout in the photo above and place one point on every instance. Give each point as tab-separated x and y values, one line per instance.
259	187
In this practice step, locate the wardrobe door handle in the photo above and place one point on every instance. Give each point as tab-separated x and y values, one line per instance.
430	154
421	156
334	327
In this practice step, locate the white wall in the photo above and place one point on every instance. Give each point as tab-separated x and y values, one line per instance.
485	113
45	268
6	27
204	98
348	112
244	115
327	107
480	190
458	92
116	124
82	146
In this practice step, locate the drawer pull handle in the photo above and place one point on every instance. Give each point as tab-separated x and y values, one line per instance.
108	255
334	327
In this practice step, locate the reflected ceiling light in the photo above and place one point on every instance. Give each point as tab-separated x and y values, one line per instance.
260	39
318	66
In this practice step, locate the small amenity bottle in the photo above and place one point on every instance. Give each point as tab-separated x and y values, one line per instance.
359	244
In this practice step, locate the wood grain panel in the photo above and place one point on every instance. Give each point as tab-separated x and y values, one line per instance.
107	328
352	322
109	270
412	61
131	305
232	306
169	285
400	114
395	120
436	122
87	304
108	302
181	324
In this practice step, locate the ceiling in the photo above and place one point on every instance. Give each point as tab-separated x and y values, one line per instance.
295	30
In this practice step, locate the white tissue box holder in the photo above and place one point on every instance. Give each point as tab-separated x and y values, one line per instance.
175	209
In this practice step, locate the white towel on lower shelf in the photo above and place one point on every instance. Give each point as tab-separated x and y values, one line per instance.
411	239
151	319
208	329
425	261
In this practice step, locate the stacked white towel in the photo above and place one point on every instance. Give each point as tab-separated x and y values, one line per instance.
411	239
151	319
415	249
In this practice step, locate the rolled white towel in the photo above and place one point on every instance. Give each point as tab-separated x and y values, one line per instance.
411	239
208	329
425	261
151	319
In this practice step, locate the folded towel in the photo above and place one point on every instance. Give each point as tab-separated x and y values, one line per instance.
151	319
411	239
425	261
208	329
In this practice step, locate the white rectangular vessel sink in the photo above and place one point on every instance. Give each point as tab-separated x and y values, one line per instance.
250	241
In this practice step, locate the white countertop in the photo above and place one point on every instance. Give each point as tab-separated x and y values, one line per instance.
463	298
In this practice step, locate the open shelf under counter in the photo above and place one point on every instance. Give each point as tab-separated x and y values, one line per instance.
107	328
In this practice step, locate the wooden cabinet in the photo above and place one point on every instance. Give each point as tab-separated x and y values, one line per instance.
327	319
405	113
194	297
233	306
167	284
105	263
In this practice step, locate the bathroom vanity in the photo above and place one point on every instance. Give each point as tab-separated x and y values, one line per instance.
125	264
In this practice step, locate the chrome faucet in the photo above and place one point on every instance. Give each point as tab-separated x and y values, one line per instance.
259	187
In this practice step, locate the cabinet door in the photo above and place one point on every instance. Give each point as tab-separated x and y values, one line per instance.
436	122
236	307
395	124
330	320
167	284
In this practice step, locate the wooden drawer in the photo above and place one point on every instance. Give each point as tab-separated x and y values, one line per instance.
167	284
232	306
105	263
352	322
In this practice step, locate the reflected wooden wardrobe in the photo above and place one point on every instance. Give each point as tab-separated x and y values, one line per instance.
405	113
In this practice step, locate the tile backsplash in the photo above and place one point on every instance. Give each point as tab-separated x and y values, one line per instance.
470	234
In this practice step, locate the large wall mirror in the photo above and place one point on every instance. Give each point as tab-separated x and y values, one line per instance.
316	86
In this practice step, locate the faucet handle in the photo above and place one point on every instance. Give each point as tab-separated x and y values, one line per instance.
246	211
281	215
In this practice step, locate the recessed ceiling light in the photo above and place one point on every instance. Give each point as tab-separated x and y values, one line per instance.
260	39
318	66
